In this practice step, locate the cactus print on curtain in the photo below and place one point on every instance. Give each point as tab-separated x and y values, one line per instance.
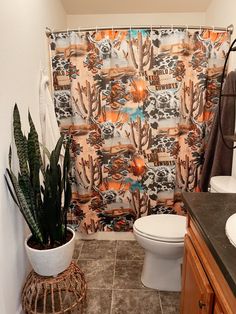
138	105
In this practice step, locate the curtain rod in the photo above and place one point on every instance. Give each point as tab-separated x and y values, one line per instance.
229	28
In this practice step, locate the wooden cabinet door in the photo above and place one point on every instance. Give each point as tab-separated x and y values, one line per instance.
197	294
217	308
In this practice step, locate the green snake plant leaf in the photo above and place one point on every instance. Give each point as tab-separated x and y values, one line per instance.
9	156
35	164
66	183
22	152
45	150
57	149
52	201
11	191
24	208
27	190
20	142
33	135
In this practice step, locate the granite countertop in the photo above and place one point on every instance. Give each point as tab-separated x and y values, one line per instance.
210	212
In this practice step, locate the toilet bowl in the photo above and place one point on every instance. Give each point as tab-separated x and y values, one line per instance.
162	237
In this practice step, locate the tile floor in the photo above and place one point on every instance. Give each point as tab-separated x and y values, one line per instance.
112	270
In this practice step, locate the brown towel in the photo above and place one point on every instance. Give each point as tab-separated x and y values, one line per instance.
218	158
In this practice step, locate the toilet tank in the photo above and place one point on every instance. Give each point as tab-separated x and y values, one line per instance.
223	184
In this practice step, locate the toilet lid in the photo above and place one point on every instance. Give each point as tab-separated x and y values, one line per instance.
166	227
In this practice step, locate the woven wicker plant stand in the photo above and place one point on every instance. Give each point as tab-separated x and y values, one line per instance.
65	293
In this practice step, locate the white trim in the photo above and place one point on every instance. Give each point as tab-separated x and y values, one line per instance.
102	235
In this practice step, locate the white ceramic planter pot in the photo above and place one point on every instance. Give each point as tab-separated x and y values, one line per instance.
53	261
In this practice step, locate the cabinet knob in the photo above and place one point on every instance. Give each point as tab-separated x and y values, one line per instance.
201	304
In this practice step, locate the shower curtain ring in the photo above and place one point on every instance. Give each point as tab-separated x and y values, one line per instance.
96	28
200	29
52	30
186	27
172	27
213	28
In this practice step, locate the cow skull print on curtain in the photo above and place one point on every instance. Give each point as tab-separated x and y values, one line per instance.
138	105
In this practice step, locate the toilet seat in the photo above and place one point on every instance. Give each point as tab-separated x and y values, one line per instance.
156	239
163	228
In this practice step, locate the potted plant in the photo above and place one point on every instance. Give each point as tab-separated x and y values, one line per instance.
42	192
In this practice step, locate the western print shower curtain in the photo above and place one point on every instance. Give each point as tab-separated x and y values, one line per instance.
138	105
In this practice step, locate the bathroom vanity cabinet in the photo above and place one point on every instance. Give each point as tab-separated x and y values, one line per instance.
208	279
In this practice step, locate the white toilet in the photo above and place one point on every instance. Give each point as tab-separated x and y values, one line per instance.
162	237
223	184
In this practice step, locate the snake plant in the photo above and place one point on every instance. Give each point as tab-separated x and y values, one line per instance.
41	191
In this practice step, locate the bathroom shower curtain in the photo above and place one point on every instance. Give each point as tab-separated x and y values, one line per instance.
138	105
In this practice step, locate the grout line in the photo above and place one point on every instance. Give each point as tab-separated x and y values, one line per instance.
97	259
111	307
77	259
160	302
106	259
113	277
121	289
94	288
136	289
80	249
115	264
131	260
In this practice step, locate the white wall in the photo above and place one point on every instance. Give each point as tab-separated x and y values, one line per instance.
23	51
223	13
75	21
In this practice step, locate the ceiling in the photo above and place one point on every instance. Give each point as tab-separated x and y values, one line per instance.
133	6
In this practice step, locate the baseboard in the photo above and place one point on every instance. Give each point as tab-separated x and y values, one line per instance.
102	235
19	310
